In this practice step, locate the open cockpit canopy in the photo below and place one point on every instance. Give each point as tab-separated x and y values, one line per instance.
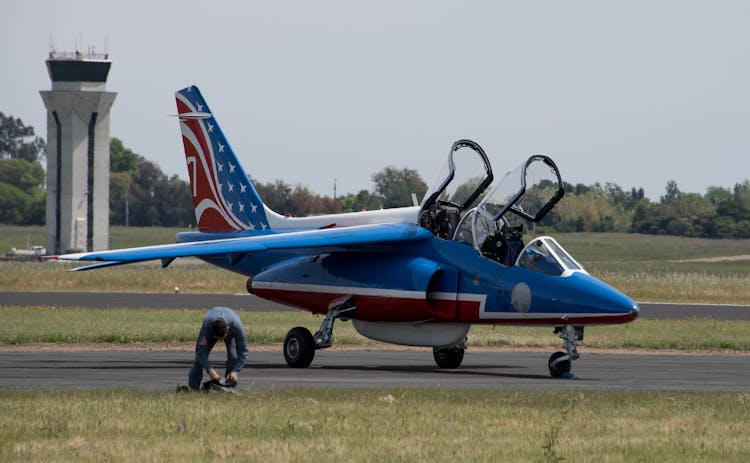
463	178
529	191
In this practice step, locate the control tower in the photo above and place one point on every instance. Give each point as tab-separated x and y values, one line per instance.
77	152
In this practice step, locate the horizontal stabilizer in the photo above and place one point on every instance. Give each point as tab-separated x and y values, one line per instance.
194	115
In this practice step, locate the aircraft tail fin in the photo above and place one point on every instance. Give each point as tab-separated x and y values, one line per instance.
223	195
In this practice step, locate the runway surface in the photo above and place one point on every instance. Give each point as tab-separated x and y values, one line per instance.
340	369
346	369
253	303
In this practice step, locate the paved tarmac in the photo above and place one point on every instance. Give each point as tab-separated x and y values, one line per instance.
349	369
254	303
341	369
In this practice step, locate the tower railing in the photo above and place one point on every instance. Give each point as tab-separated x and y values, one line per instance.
78	55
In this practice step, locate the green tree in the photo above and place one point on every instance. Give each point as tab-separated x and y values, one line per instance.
592	211
397	186
297	201
142	195
15	205
362	201
26	176
22	178
121	159
123	166
680	214
276	195
18	141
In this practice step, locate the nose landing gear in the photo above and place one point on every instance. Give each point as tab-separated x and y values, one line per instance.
560	362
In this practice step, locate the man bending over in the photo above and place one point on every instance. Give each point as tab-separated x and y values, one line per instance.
220	324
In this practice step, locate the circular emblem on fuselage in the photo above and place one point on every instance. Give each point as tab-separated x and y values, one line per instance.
520	297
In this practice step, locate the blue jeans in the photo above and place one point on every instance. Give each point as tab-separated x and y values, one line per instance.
196	372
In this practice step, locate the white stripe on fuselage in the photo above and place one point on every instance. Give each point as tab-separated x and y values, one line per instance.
374	292
418	295
353	290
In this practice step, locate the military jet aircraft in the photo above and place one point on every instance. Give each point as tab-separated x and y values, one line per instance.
417	276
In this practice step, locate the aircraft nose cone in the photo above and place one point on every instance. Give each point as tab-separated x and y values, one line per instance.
616	302
597	297
635	311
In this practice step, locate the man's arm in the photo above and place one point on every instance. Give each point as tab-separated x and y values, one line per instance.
240	340
202	348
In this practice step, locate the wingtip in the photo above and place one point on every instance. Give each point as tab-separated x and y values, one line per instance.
75	256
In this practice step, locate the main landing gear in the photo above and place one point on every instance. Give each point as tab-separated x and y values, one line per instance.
300	345
449	357
560	362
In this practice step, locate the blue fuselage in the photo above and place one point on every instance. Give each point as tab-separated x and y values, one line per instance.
430	280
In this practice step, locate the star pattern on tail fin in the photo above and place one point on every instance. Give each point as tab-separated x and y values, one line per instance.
221	188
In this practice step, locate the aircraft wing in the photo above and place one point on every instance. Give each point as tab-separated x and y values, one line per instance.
319	240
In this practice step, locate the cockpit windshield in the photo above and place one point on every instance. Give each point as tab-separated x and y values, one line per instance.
545	255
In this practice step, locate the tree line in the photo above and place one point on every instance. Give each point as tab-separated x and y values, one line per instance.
22	177
142	195
720	213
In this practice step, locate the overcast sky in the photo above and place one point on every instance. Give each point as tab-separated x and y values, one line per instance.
635	92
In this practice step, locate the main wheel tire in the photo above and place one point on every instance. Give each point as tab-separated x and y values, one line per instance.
450	357
558	369
299	347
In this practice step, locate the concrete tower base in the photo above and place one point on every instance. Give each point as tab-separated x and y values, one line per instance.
78	170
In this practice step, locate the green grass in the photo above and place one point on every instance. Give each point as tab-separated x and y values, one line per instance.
190	275
376	426
706	288
20	237
119	237
22	325
616	249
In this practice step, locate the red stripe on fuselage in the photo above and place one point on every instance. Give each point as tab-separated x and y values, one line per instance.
369	307
402	309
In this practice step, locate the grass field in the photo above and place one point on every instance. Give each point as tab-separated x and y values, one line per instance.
119	237
376	426
22	325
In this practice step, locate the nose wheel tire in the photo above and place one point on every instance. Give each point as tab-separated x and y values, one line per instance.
559	364
449	357
299	347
